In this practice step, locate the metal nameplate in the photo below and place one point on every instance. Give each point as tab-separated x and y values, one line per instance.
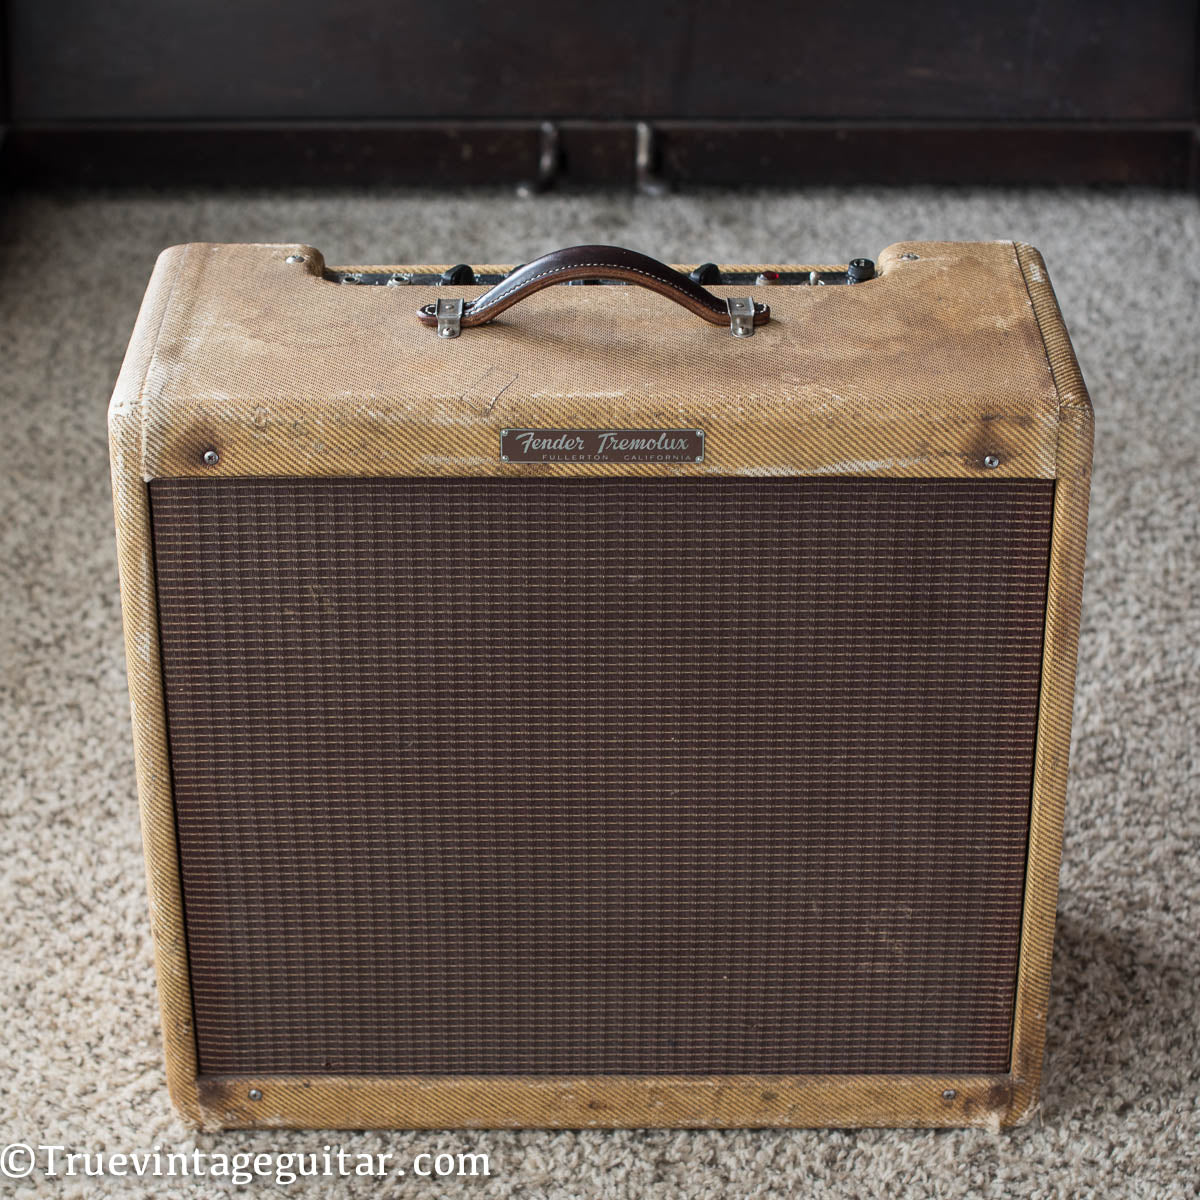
602	445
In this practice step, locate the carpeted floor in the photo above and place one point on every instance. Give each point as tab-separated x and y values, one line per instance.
81	1064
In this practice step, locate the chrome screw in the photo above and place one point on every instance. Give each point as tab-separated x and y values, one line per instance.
910	257
211	458
254	1094
991	461
294	258
949	1094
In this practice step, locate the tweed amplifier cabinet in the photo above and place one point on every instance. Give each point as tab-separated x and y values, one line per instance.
571	714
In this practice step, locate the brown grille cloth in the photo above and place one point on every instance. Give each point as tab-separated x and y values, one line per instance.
602	775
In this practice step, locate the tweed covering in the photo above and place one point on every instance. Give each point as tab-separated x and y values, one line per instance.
954	353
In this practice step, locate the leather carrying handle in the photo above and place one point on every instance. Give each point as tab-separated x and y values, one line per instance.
593	262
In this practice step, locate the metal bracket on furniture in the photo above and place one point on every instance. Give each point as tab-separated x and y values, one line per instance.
645	162
549	158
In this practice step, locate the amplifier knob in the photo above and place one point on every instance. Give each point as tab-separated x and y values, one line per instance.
860	270
461	274
706	273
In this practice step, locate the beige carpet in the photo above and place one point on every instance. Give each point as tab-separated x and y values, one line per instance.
81	1062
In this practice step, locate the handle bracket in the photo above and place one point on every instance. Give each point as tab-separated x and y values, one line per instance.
741	316
449	313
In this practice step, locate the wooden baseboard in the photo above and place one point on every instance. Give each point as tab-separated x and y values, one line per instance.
676	154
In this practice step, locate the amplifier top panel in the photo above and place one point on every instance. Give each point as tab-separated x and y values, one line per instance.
260	359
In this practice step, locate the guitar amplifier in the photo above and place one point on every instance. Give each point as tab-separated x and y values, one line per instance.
640	702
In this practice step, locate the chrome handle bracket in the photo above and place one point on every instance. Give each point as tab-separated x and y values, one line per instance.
449	313
741	316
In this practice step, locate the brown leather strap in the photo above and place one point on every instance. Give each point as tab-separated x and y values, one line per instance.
594	262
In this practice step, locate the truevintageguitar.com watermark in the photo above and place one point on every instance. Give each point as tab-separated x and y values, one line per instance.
25	1160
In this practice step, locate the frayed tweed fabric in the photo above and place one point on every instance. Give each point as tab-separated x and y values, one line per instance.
83	1066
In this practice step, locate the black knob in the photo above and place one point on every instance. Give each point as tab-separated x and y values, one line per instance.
462	274
860	270
706	273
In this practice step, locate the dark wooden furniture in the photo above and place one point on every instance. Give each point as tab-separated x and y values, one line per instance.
530	91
